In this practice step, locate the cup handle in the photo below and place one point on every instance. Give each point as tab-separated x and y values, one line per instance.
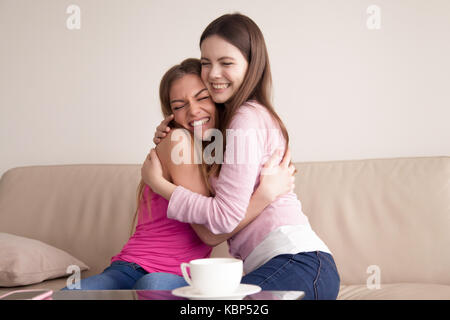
183	266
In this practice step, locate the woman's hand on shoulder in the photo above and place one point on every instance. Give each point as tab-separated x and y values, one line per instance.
277	178
162	130
178	138
156	168
152	171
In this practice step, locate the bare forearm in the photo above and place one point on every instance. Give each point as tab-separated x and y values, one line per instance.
165	189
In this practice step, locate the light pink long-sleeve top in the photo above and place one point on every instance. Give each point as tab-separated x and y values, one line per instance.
238	179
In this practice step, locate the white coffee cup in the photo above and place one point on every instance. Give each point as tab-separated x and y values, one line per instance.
214	276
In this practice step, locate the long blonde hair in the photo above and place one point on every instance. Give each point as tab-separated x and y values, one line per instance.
188	66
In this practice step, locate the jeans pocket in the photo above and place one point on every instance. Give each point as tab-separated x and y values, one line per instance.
330	260
329	282
317	278
328	257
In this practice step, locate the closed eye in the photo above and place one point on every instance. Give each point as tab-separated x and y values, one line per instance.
178	107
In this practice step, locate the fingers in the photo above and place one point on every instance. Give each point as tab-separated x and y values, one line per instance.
273	160
165	122
160	134
287	158
291	169
168	119
164	125
152	154
162	129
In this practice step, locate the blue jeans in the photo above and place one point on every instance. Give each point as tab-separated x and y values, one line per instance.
122	275
314	272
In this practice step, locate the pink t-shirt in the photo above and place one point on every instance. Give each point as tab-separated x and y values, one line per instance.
254	137
160	244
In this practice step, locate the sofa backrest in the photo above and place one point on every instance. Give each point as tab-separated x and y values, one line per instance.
393	214
85	210
384	216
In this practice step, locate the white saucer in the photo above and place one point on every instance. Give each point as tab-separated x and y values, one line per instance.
242	291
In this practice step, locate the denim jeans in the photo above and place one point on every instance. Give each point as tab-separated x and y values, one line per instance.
314	272
122	275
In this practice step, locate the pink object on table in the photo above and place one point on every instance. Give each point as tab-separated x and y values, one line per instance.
31	294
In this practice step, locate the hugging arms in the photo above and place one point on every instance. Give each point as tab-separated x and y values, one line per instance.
236	75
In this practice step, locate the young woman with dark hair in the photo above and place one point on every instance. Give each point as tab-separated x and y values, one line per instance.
279	248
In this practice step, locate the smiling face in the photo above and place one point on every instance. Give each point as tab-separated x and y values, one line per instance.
191	104
223	68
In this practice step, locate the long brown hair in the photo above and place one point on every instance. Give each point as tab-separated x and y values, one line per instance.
244	34
188	66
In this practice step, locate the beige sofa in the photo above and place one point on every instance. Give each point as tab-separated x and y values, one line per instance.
387	221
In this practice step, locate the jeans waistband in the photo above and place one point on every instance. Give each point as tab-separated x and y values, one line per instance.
133	265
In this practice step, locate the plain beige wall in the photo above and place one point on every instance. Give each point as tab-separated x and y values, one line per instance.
344	91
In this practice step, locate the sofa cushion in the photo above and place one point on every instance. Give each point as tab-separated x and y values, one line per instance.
52	284
26	261
396	291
